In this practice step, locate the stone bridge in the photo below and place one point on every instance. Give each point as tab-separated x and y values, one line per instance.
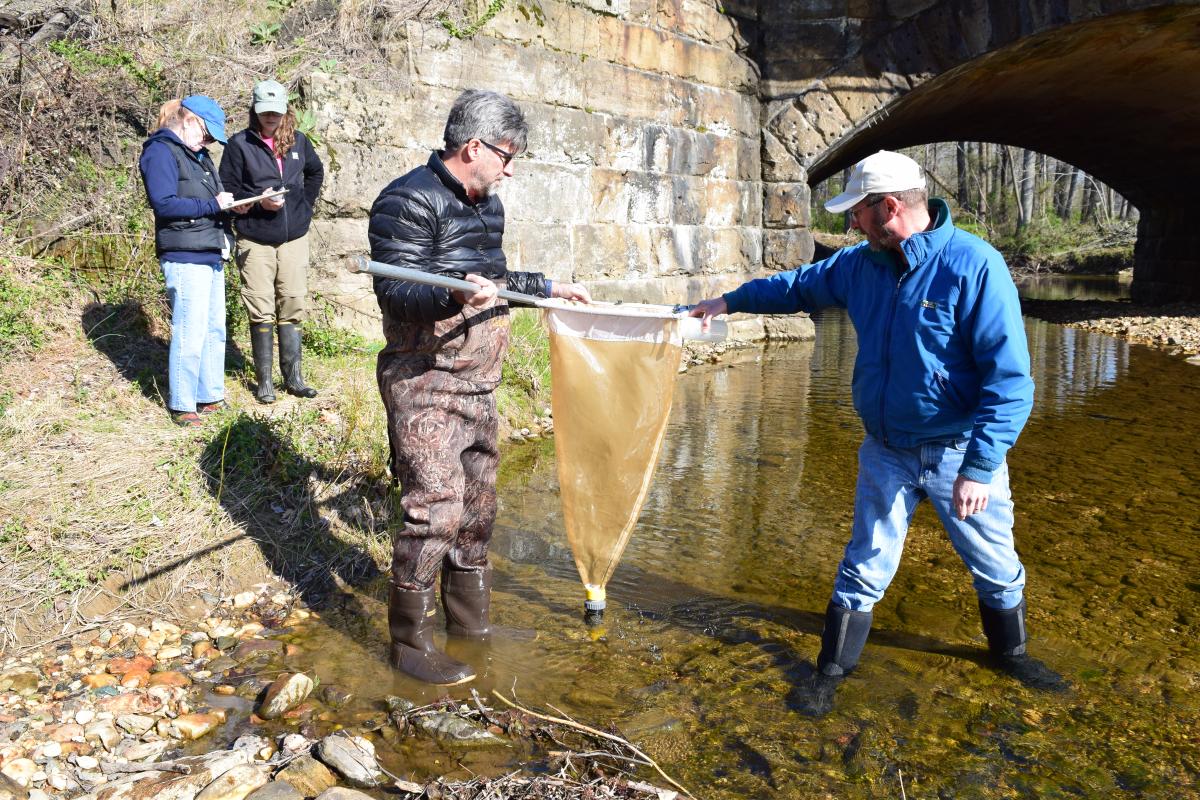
1110	86
673	142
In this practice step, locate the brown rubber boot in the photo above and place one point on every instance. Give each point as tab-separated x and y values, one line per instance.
410	618
467	598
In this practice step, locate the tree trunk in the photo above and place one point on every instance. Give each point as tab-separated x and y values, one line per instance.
1072	187
1087	211
960	160
1000	185
1025	187
984	187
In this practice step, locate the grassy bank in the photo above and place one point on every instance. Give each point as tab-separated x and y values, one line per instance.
108	507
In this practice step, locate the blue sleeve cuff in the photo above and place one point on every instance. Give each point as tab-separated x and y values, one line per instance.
975	468
549	286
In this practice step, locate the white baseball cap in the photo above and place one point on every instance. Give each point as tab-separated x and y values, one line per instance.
882	172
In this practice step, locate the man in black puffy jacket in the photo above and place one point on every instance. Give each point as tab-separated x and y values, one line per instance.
437	375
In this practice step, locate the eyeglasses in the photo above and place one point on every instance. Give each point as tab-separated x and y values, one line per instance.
505	156
854	212
205	137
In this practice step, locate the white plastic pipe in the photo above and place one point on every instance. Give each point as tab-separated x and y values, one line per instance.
689	327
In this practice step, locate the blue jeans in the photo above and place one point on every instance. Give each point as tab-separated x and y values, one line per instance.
891	482
196	364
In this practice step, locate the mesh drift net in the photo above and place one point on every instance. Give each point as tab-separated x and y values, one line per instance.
614	369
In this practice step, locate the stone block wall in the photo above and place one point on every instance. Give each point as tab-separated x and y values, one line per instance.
644	174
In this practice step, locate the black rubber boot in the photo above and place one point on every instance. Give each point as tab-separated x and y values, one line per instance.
410	620
842	641
1007	637
289	362
262	343
467	599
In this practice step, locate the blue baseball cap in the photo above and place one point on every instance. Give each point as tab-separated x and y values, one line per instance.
207	109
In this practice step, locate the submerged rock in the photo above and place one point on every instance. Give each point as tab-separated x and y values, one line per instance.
454	728
352	757
193	726
288	691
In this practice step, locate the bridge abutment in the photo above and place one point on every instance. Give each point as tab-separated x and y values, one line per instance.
1167	255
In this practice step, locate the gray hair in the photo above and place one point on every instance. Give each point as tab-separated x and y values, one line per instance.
909	198
488	116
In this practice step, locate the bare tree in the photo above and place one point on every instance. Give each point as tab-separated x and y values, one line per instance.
1025	189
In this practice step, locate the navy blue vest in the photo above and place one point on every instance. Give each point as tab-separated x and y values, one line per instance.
197	178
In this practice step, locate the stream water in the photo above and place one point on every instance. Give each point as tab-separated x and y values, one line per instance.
716	609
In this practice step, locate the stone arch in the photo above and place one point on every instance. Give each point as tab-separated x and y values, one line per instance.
1109	87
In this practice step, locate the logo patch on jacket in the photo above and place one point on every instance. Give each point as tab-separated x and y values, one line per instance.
928	304
295	156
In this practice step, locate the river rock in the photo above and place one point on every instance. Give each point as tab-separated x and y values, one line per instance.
139	663
136	724
455	728
193	726
288	691
259	747
22	680
88	763
335	697
352	757
276	790
67	732
256	648
342	793
236	783
171	785
309	776
129	703
20	770
104	733
294	743
99	680
135	678
133	750
170	678
50	749
204	649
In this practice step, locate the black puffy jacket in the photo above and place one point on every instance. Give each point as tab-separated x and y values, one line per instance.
249	168
424	220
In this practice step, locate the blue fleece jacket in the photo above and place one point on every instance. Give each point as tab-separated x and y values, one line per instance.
160	174
941	346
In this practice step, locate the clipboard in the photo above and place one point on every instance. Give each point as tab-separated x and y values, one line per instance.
265	195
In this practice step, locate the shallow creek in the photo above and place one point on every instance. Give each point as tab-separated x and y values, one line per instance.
716	609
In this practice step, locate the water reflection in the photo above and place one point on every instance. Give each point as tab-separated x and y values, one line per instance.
1075	287
1071	365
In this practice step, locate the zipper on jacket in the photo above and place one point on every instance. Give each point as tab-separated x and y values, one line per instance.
887	356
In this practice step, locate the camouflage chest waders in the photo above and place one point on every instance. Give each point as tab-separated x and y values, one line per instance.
437	383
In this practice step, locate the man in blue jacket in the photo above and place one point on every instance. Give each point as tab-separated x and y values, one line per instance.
942	385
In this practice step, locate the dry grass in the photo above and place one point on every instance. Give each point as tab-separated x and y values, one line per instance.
106	503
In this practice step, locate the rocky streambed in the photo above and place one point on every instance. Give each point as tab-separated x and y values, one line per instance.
221	709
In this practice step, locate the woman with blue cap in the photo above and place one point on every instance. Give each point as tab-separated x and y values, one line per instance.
272	248
192	238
